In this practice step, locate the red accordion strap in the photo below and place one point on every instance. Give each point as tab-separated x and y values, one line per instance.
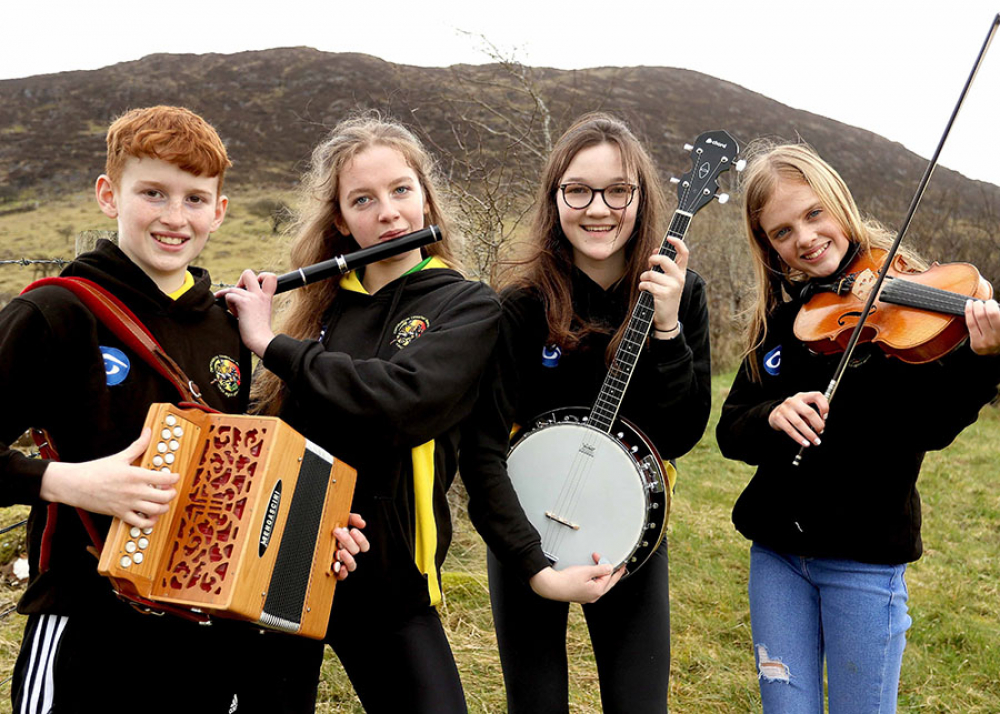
116	316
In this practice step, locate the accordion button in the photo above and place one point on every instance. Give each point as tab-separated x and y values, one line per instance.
133	532
165	469
126	561
169	458
138	558
157	460
143	543
178	432
165	434
130	547
171	420
147	531
161	447
174	445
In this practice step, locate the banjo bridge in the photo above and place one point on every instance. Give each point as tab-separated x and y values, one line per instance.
562	521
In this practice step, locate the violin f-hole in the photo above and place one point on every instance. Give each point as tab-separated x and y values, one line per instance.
843	319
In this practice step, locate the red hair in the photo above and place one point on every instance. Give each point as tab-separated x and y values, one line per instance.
172	134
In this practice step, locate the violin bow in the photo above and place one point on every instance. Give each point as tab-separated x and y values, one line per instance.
931	165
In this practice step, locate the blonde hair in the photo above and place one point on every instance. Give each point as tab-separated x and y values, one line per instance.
549	269
318	237
769	164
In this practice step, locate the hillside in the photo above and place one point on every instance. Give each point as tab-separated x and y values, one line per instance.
272	106
490	125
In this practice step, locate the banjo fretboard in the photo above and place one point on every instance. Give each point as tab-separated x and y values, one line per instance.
609	401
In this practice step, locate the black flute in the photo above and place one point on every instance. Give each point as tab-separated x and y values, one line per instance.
341	264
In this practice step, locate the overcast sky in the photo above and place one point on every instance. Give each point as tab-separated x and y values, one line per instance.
881	65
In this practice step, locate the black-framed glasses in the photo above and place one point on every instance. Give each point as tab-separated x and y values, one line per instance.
616	196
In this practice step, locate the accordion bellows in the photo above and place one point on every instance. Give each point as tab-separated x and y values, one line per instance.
250	533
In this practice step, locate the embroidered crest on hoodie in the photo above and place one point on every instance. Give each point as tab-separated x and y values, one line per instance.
408	329
226	374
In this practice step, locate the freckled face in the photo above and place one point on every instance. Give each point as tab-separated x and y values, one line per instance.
380	198
165	216
801	231
597	233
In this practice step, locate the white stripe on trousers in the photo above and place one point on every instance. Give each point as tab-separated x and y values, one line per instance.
39	688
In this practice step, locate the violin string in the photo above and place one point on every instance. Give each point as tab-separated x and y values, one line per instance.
912	294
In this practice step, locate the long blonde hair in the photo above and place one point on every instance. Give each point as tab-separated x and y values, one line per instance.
768	165
549	268
318	238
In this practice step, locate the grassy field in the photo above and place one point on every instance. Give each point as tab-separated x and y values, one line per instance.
952	658
952	662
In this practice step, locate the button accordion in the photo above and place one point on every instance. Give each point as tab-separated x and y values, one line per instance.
250	533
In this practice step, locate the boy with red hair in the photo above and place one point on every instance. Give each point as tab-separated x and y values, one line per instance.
63	370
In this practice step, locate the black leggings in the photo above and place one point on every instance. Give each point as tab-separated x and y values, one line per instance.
629	630
403	667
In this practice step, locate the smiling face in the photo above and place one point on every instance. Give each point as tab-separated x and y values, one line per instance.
380	199
165	216
597	233
803	233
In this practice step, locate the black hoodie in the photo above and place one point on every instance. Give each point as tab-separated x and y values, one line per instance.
854	496
54	376
386	389
669	397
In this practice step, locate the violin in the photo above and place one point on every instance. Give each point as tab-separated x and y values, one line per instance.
917	316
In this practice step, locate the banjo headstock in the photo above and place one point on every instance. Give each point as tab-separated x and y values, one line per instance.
712	153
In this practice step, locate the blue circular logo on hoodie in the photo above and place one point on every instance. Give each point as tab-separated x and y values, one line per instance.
551	355
116	365
772	361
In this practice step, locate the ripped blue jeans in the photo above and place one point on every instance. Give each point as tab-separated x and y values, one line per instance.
805	610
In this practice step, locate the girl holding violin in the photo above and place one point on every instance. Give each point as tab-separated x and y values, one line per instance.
831	537
598	225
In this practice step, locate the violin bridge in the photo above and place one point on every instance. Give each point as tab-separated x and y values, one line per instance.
863	284
562	521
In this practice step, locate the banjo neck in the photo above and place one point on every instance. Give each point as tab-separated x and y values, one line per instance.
605	410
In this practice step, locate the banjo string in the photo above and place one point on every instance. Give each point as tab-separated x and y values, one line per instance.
574	486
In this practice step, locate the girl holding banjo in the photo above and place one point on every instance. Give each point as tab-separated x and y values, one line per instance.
832	536
599	223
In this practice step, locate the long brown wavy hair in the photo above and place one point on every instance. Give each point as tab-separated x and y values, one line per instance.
317	237
549	268
769	164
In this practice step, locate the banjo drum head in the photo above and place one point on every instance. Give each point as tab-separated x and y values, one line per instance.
580	489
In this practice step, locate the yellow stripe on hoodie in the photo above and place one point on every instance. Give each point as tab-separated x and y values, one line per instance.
425	543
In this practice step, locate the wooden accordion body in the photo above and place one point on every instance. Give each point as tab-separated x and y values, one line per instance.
250	533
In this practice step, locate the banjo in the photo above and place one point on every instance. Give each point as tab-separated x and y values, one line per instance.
588	480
